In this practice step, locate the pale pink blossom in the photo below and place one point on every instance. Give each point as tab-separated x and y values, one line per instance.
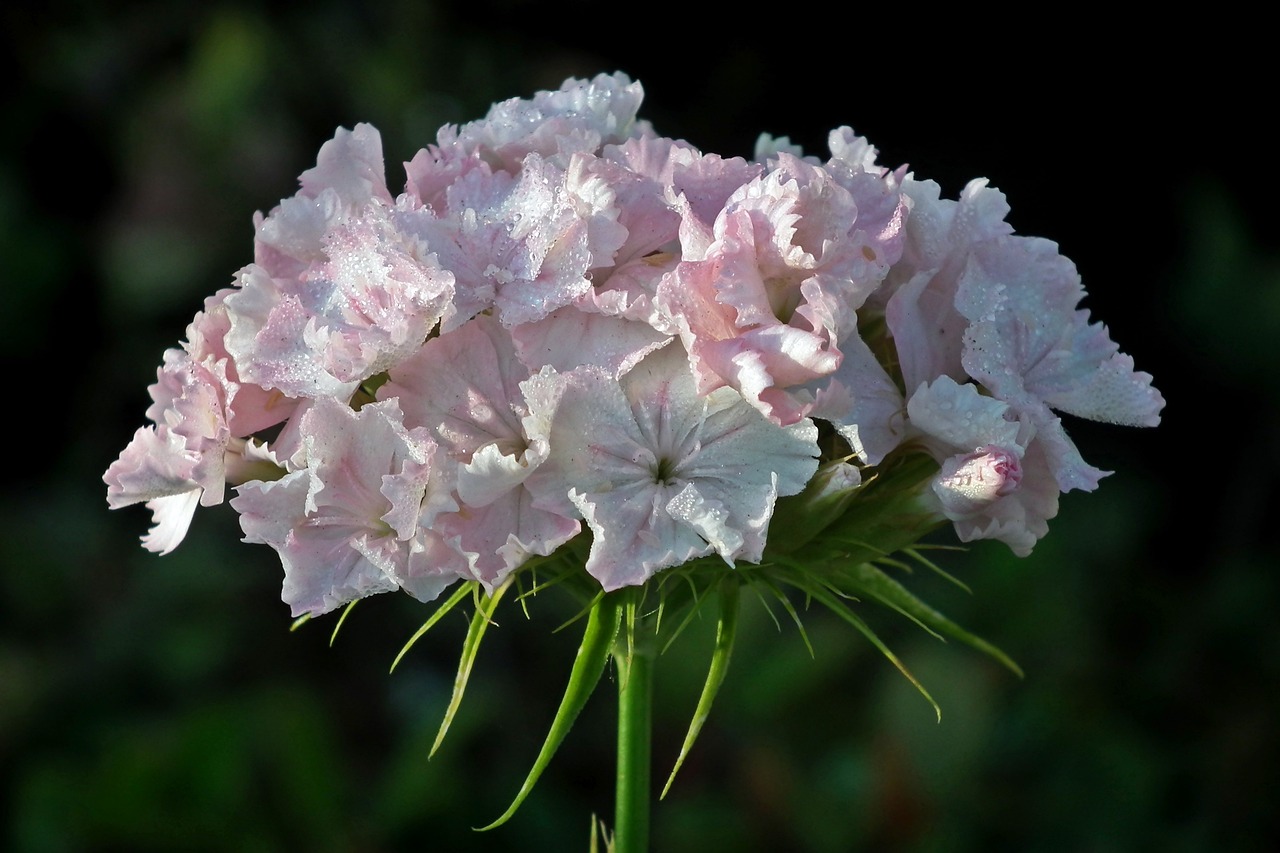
572	337
863	403
189	454
580	116
1030	346
566	319
347	178
994	481
367	303
251	408
759	355
661	473
338	292
764	309
969	299
920	291
520	244
464	389
349	523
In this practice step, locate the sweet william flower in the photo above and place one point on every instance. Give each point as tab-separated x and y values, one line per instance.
338	290
1030	346
348	523
994	481
347	178
575	353
919	295
203	416
582	115
972	300
660	473
524	305
520	244
765	306
544	270
463	388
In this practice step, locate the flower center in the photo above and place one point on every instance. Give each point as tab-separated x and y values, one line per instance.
664	471
784	297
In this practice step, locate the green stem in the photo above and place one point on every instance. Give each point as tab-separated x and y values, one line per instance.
635	718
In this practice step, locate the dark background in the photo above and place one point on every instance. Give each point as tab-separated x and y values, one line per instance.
160	703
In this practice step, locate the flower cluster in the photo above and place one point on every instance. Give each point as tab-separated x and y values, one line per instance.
566	324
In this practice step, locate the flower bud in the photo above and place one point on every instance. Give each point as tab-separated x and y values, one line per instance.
968	483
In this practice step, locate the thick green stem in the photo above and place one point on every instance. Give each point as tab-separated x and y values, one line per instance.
635	718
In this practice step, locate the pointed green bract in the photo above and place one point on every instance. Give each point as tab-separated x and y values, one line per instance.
600	836
914	553
460	593
767	609
795	616
597	643
826	596
765	580
470	648
585	611
885	589
698	600
333	638
726	632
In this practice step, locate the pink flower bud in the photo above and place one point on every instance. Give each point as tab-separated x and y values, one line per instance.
970	482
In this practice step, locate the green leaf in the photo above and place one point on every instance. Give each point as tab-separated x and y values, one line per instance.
726	631
593	653
470	648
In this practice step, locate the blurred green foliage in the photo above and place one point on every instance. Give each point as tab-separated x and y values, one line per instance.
155	704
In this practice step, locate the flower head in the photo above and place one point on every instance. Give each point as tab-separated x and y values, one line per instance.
575	352
570	335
